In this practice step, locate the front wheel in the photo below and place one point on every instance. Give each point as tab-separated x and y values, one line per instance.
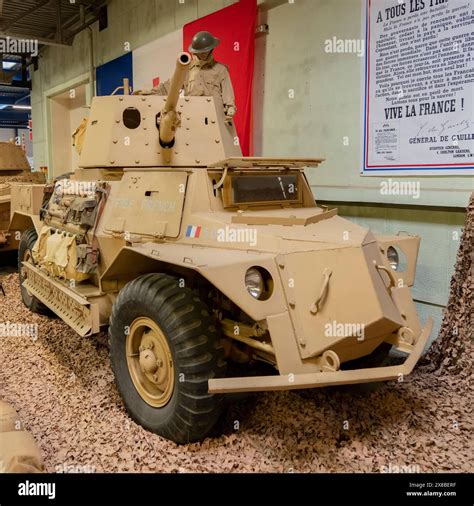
164	347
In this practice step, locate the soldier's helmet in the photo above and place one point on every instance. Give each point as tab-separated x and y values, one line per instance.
203	42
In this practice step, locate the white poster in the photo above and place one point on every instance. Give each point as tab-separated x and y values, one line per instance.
419	69
155	62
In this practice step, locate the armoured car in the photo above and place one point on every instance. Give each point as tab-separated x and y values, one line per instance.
196	259
14	168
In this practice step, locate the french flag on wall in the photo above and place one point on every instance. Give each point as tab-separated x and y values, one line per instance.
193	232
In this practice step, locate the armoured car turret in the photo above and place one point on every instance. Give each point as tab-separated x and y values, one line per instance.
194	256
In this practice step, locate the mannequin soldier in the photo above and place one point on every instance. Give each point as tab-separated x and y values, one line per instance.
206	76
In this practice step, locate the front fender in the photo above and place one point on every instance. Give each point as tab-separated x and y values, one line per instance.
223	268
409	246
23	221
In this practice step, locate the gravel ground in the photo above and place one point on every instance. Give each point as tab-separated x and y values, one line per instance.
63	387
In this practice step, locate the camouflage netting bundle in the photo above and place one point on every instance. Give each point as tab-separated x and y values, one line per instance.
15	178
452	350
22	177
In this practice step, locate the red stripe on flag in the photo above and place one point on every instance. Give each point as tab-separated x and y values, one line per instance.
198	232
235	27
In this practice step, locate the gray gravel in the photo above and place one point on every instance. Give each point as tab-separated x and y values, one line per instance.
63	388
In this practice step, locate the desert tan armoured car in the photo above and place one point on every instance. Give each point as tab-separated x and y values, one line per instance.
14	168
196	257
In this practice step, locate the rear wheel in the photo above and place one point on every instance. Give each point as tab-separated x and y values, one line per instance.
27	241
164	347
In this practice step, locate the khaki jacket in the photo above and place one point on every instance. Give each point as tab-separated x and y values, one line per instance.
206	78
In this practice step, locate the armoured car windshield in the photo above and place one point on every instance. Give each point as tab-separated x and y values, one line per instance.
265	189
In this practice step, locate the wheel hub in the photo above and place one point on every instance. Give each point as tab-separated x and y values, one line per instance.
150	362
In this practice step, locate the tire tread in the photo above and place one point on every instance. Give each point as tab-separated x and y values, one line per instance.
194	339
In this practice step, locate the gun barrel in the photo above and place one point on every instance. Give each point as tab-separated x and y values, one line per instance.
168	115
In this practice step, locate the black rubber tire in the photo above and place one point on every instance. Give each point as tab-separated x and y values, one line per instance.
191	413
27	241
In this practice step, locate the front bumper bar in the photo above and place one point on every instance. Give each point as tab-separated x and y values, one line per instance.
324	379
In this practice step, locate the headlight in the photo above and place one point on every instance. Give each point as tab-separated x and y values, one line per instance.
393	259
254	283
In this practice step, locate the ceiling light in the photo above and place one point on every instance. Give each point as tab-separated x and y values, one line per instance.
8	65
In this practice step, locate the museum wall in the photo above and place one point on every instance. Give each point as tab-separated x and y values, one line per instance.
11	133
323	119
7	133
325	113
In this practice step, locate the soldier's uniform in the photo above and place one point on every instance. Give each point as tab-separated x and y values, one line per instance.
206	77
